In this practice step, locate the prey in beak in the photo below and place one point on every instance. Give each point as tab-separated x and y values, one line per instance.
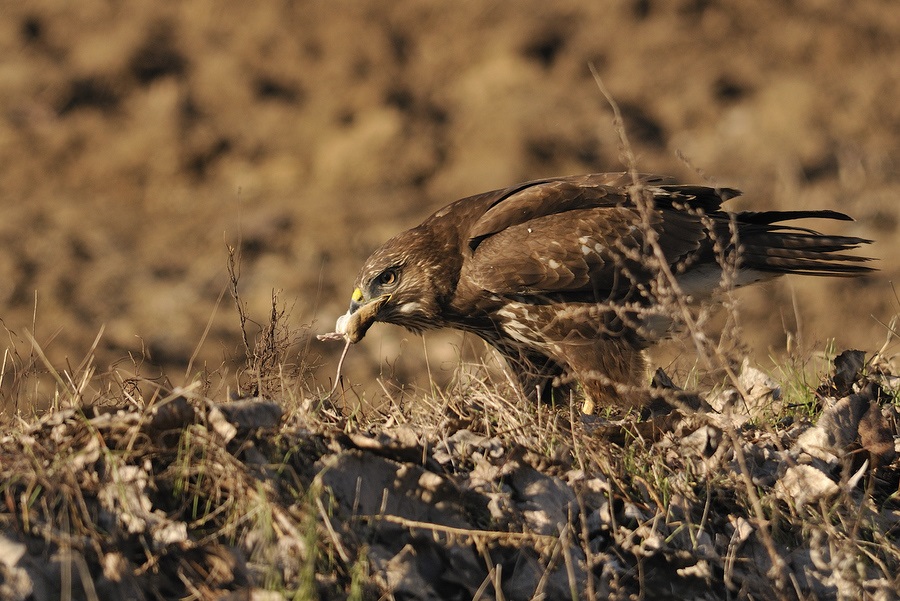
362	313
353	325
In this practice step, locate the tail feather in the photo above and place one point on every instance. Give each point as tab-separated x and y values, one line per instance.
768	245
814	264
805	242
770	217
786	253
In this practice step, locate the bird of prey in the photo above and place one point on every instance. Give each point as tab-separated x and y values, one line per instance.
572	278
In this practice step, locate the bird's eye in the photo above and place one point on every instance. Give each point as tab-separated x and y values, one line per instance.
387	278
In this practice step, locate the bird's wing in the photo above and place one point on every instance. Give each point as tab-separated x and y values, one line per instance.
578	235
553	253
540	198
592	253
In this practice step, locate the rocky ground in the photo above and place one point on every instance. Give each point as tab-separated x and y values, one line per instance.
137	138
473	496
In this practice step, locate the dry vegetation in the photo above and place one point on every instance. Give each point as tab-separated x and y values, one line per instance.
127	488
133	135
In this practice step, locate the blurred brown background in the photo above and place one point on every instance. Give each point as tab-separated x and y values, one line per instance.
136	137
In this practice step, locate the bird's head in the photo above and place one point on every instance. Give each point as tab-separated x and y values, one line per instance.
396	285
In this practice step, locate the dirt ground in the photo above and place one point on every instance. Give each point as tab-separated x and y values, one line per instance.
136	138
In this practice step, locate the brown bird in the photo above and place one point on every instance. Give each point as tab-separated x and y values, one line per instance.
572	278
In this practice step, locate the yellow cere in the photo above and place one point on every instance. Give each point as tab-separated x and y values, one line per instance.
357	295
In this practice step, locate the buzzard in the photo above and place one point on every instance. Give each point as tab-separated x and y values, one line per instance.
572	278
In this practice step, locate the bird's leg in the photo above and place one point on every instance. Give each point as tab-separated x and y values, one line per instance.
610	372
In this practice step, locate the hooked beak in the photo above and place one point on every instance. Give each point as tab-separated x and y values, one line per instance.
359	318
